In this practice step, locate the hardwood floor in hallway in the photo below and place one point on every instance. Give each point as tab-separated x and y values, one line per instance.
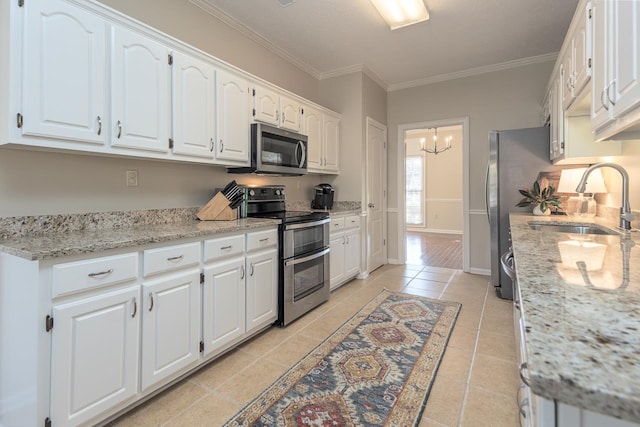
434	249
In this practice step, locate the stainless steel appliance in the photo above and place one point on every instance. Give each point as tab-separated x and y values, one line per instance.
515	159
304	252
275	151
323	196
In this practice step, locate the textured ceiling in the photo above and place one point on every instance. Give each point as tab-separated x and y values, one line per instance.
329	37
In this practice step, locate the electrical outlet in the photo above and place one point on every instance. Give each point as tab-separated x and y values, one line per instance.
132	178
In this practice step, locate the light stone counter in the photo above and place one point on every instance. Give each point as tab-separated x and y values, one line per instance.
582	327
52	236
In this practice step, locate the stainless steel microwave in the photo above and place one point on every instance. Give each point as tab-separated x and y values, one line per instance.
275	151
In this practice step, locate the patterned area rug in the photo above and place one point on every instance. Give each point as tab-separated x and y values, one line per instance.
376	369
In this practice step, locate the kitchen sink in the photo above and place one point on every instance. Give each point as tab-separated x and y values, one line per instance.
573	228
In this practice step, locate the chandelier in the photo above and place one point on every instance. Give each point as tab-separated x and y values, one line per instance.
435	150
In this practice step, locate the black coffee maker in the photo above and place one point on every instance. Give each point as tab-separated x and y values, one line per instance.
323	197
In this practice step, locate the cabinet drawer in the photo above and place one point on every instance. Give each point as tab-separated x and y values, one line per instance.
337	224
170	258
222	247
261	239
93	273
352	221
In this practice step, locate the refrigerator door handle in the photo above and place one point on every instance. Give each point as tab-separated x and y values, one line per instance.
486	192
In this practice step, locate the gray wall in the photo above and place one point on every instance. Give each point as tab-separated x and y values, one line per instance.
507	99
33	182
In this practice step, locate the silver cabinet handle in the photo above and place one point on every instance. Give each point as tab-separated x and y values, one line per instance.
242	272
102	273
99	125
135	308
221	146
524	379
176	258
277	116
372	205
224	248
612	84
252	270
211	145
151	303
266	239
283	118
119	129
604	104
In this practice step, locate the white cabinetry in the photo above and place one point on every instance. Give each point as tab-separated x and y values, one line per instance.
94	355
170	312
615	104
64	78
262	279
323	131
577	62
140	92
344	241
233	117
556	148
194	106
276	108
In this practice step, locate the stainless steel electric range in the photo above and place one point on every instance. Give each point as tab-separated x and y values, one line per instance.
304	251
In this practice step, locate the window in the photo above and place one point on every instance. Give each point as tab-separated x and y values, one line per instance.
414	180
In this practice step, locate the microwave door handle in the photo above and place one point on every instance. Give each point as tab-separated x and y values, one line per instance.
303	153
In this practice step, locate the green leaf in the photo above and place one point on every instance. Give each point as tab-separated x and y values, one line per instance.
543	206
536	188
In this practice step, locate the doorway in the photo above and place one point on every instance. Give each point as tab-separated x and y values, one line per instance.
433	194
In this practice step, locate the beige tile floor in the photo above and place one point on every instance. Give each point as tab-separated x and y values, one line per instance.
476	383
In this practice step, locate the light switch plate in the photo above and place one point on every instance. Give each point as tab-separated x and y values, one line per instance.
132	178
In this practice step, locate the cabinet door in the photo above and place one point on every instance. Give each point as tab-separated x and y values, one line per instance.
94	355
140	92
601	113
581	44
352	253
567	79
170	326
290	113
64	72
262	289
194	106
332	143
313	129
336	259
625	26
266	106
233	117
223	305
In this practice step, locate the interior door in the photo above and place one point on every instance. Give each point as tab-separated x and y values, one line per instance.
376	194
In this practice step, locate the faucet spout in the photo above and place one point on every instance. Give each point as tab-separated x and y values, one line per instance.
625	210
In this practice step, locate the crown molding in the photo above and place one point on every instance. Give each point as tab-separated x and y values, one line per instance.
355	69
254	36
475	71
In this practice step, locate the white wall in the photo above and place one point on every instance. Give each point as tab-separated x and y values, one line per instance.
506	99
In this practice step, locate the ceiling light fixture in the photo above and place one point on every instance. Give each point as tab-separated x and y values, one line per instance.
400	13
435	150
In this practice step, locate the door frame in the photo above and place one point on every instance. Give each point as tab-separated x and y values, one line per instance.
365	196
457	121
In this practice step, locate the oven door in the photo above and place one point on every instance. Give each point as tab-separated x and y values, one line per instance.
306	284
305	237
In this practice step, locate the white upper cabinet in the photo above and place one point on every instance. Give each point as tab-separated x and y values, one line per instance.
140	92
615	104
313	128
194	106
63	83
577	60
332	142
276	109
233	117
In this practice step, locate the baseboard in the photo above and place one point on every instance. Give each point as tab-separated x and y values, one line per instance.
362	275
482	271
395	261
433	230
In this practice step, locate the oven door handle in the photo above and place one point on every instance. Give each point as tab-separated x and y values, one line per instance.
307	258
306	224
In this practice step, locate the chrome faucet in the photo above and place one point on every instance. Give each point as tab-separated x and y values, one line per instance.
625	210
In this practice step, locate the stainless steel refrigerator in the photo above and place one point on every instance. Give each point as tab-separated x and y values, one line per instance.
515	159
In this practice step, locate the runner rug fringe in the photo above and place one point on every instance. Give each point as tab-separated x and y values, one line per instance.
376	369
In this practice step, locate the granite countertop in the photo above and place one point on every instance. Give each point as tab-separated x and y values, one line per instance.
582	327
62	235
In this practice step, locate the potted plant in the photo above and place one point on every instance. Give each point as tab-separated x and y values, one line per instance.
541	199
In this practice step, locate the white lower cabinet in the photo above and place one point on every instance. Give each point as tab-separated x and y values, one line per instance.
94	355
223	308
262	289
344	241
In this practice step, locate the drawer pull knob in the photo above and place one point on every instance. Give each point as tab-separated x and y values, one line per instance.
176	258
101	274
224	248
266	239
